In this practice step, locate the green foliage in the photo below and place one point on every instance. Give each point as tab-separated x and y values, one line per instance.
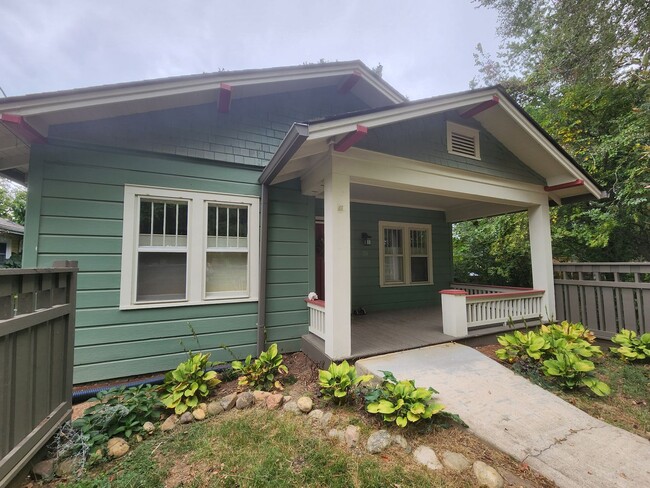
339	380
189	383
13	201
558	350
401	402
261	373
118	412
631	347
15	261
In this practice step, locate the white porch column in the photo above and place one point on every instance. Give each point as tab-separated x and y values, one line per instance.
338	330
541	256
454	312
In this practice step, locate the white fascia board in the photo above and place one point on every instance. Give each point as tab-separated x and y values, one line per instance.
392	115
540	139
146	90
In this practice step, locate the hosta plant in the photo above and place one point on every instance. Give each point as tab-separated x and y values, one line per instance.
187	385
573	371
631	347
262	373
401	402
520	344
339	380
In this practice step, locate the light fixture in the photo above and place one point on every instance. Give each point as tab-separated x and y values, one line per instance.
366	239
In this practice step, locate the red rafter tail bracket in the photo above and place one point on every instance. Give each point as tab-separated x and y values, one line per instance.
351	138
225	95
481	107
349	82
21	129
562	186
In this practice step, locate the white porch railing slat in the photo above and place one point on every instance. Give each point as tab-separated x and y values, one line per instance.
316	318
486	309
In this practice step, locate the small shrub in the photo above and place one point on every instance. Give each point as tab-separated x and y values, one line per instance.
261	373
401	402
339	380
189	383
572	372
631	347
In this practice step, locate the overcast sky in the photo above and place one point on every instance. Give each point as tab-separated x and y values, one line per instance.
425	46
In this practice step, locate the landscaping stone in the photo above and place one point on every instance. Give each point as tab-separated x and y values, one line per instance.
203	406
245	400
117	447
336	434
352	433
305	404
292	407
427	456
378	441
514	480
44	470
198	414
286	398
186	418
274	401
455	461
401	441
316	415
228	401
149	427
169	423
487	475
66	467
325	420
261	396
214	408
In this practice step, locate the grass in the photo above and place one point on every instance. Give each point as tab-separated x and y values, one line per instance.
261	448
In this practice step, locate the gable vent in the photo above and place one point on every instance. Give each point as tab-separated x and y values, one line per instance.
463	141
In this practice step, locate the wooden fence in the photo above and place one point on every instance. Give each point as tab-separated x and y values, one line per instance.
606	297
37	310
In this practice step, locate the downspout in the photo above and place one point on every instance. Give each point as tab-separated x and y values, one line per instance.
288	147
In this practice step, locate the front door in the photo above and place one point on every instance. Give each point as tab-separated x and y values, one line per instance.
320	260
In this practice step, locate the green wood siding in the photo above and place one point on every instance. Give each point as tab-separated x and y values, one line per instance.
249	134
290	264
425	139
78	216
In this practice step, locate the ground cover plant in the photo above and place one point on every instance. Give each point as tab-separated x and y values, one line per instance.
340	382
630	346
263	372
189	384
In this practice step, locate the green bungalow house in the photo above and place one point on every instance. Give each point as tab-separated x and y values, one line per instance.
202	210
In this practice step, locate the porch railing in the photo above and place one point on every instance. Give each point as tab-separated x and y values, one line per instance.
37	308
316	317
467	306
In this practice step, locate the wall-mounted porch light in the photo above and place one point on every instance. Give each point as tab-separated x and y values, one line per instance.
366	240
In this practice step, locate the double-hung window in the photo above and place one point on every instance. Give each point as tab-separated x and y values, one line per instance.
405	254
188	248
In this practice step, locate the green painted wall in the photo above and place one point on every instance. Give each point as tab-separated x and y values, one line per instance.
76	214
366	291
425	139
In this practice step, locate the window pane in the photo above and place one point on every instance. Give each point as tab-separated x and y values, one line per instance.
212	220
161	276
163	223
226	272
243	222
145	217
232	223
419	269
393	241
419	245
393	269
223	221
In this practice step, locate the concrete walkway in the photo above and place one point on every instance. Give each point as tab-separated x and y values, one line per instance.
523	420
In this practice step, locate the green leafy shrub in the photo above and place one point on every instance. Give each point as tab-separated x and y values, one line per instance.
189	383
520	344
401	402
631	347
338	381
261	373
572	372
118	412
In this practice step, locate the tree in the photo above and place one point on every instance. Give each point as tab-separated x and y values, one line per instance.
580	68
13	202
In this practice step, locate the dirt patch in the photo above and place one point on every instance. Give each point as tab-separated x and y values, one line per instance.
489	350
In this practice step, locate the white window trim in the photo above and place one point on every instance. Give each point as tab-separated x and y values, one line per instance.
196	246
466	131
405	227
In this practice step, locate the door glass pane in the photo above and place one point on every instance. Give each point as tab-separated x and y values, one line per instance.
393	269
161	276
226	272
419	269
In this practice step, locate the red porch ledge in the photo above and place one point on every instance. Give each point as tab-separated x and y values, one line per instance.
453	292
320	303
523	293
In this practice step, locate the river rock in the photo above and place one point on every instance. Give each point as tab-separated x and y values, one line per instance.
228	401
117	447
455	461
66	467
427	456
149	427
245	400
378	441
198	414
44	470
400	440
274	401
487	475
169	423
305	404
186	418
316	415
352	435
292	407
261	396
214	408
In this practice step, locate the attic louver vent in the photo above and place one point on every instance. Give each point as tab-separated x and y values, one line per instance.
463	141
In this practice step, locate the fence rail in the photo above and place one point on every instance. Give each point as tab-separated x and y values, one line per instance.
605	297
499	308
316	317
37	310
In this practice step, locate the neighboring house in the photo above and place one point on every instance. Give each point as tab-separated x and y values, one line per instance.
11	239
203	209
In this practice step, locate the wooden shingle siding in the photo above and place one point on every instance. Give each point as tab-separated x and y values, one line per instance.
289	266
425	139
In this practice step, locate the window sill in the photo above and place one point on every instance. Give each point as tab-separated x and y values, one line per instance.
210	301
401	285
